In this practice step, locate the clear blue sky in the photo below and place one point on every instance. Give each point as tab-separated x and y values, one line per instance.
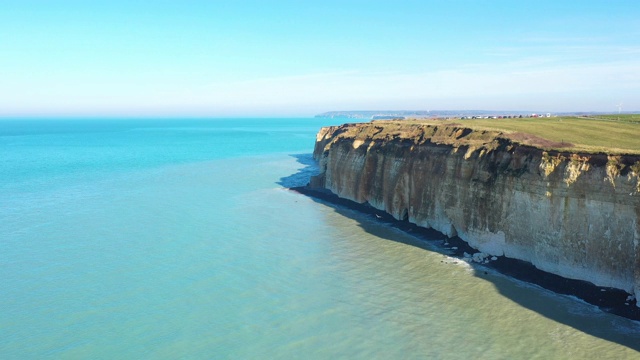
299	58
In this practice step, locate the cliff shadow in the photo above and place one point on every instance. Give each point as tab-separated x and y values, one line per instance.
503	273
309	167
513	279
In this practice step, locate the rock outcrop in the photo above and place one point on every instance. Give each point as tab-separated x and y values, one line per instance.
575	215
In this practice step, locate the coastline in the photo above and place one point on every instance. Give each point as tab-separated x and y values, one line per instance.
609	300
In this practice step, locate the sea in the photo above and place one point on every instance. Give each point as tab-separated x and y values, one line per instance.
180	239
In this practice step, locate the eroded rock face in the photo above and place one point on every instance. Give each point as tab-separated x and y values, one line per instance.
575	215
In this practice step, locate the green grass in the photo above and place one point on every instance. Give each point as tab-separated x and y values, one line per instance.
585	134
635	118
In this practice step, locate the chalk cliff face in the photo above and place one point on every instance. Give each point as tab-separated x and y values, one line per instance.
575	215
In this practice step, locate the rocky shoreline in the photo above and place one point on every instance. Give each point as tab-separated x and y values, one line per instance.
611	300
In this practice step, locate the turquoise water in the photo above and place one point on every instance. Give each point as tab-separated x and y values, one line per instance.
164	239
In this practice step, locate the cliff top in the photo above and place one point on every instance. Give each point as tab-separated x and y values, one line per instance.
611	134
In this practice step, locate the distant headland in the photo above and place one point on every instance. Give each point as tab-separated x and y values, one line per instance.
418	114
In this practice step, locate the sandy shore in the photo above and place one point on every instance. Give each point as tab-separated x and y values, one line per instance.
611	300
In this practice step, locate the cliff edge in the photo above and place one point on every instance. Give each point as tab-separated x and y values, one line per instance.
576	215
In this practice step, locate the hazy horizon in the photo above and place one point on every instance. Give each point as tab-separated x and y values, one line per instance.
291	59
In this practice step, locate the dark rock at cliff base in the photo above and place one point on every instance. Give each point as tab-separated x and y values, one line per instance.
611	300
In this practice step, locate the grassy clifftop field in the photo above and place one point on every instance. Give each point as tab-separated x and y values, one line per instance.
614	134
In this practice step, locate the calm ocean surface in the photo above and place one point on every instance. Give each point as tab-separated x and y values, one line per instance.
166	239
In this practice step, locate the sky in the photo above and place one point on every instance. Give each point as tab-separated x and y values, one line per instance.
299	58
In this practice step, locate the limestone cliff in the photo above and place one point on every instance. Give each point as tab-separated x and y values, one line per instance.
575	215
